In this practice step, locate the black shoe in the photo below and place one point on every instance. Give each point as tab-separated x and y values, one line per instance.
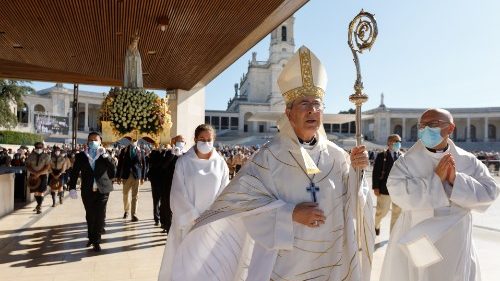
38	211
134	218
377	231
103	230
89	244
54	204
97	247
125	215
157	223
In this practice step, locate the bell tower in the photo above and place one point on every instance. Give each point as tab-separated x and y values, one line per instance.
282	47
282	41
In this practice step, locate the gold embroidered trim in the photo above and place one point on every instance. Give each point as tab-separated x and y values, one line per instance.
307	88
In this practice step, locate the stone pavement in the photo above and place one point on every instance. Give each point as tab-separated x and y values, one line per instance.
51	246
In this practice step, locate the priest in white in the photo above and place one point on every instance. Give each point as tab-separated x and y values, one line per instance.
200	175
290	212
437	185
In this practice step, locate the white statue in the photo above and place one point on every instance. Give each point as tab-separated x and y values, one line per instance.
133	65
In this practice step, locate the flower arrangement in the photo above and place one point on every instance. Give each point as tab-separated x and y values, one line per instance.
134	109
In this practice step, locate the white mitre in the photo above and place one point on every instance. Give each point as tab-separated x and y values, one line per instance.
303	75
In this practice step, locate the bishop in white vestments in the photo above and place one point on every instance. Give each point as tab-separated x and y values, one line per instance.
437	185
290	212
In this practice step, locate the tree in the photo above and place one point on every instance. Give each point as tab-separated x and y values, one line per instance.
12	91
350	111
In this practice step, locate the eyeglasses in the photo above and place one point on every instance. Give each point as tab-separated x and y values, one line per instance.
317	106
432	124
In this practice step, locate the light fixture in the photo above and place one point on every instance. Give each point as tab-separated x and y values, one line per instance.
162	23
152	52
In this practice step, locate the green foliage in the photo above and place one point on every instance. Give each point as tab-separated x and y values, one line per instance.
350	111
12	137
11	90
7	118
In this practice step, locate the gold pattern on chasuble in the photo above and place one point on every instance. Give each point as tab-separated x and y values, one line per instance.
307	88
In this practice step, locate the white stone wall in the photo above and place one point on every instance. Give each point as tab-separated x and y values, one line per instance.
6	194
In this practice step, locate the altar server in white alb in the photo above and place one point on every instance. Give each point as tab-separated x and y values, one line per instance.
437	185
200	175
289	213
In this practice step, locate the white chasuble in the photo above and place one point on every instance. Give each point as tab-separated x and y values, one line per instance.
248	233
432	239
195	185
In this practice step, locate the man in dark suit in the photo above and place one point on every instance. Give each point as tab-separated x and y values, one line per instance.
381	170
97	171
161	171
131	171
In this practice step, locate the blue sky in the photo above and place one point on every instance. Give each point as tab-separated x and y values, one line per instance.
428	54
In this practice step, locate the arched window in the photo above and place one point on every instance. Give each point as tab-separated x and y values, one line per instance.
398	129
492	132
22	114
283	33
39	108
413	133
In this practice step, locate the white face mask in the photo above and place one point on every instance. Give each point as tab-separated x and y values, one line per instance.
38	151
204	147
180	144
57	153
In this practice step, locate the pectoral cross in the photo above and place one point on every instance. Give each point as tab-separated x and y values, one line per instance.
313	189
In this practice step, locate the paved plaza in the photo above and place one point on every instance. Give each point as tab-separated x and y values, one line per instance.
51	246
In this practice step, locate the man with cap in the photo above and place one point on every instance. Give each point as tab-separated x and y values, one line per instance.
290	212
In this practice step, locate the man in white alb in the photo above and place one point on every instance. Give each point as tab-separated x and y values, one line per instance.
289	213
437	185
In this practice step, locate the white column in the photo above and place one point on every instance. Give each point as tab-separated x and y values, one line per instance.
403	130
467	137
241	122
486	129
86	121
255	127
188	111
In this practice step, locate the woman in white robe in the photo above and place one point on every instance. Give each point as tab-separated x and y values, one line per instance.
199	176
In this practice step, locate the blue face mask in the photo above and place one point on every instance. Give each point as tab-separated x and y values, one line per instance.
396	146
93	144
430	137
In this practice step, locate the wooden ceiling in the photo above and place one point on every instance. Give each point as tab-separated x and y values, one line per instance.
84	41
